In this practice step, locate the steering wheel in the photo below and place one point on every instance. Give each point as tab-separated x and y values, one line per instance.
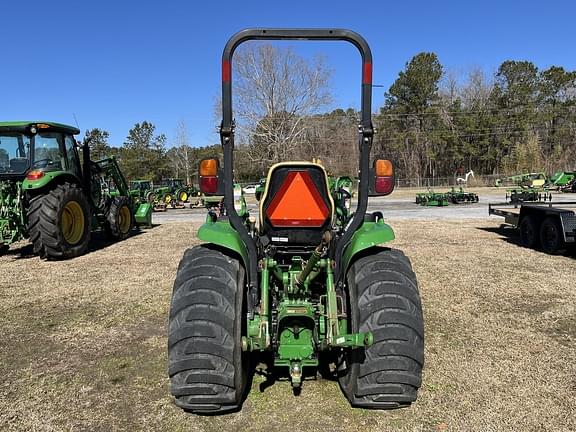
43	163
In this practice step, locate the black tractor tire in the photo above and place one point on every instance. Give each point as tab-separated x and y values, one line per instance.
150	197
529	232
207	368
59	222
551	236
384	299
119	218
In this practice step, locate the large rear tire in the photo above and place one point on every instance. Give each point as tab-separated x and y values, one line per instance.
119	218
59	222
384	299
182	195
208	369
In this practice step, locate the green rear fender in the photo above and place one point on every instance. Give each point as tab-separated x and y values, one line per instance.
47	178
222	234
369	235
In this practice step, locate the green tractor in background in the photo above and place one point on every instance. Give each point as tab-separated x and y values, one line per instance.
307	286
173	192
50	197
142	190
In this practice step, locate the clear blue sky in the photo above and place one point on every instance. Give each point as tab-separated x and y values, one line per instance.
115	63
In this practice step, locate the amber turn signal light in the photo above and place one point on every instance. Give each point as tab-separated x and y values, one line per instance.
209	167
383	168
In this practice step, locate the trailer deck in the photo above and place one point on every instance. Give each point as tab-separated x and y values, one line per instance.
551	226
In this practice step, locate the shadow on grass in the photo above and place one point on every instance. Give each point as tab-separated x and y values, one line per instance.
99	240
511	235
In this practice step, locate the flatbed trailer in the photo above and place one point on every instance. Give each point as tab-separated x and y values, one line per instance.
547	226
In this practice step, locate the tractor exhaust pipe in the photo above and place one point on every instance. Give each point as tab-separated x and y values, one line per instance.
314	258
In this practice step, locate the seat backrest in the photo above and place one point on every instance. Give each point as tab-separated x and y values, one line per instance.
296	206
18	165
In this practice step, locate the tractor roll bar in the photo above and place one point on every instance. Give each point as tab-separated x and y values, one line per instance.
227	133
296	34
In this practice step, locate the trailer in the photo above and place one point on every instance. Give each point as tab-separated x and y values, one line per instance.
547	226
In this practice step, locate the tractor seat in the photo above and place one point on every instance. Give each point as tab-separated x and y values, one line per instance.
18	165
296	207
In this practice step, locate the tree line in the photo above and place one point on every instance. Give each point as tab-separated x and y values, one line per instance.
144	154
433	123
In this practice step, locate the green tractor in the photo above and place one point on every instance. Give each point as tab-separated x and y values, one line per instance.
305	287
173	192
142	190
46	196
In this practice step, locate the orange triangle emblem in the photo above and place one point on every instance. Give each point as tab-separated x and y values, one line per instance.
297	203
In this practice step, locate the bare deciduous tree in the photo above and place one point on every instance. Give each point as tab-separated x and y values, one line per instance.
181	155
274	90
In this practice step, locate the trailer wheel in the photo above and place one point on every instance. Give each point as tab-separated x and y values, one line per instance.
59	222
551	235
529	232
208	369
119	218
384	299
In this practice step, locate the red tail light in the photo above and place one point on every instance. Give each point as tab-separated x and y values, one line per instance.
209	185
384	185
298	203
35	175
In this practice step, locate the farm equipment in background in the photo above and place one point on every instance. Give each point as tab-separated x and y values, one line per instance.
527	193
342	193
260	189
306	285
50	197
537	179
460	196
569	187
561	179
431	199
173	193
142	189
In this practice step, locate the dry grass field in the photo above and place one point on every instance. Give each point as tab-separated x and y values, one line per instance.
83	342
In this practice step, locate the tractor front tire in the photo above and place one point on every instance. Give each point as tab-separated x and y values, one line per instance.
208	369
384	299
59	222
119	218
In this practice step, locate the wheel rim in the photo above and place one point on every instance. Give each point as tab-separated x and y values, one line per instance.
125	219
72	222
167	198
183	197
